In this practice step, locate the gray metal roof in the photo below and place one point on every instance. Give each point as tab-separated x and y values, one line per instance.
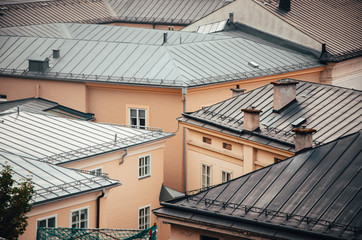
42	105
60	140
313	195
112	54
333	111
51	182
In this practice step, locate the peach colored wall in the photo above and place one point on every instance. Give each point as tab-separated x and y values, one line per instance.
62	210
142	25
70	94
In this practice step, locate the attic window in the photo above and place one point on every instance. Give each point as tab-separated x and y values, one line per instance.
3	98
298	122
253	64
227	146
206	140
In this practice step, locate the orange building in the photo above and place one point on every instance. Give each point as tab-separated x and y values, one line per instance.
142	77
132	157
254	129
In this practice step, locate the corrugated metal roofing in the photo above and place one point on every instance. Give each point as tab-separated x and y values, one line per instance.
315	194
336	23
100	53
60	140
181	12
39	12
43	106
51	182
333	111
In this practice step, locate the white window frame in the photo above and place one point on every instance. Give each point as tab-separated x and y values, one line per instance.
144	225
137	117
95	170
144	166
47	218
79	221
203	184
226	172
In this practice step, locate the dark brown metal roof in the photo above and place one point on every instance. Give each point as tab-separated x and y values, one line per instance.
312	195
333	111
336	23
81	11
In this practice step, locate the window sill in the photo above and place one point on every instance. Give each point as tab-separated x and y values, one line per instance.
143	177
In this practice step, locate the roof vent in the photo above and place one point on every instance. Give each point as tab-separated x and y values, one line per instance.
56	53
298	122
284	5
38	64
164	38
231	17
253	64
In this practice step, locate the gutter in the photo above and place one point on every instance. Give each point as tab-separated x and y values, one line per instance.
123	156
99	207
184	92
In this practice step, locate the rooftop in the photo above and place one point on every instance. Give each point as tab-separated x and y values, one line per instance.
333	111
312	195
134	56
42	105
59	140
51	182
175	12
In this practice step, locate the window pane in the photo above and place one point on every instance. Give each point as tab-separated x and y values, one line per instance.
42	223
142	113
83	224
142	122
133	121
133	113
51	222
84	214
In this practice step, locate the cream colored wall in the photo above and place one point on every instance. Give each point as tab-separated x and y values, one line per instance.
62	210
250	13
245	156
149	26
348	73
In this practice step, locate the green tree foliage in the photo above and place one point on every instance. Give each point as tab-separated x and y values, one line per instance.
14	204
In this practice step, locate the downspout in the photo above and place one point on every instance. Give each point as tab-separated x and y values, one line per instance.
99	207
184	91
123	156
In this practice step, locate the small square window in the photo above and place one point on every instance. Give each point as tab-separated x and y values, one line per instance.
225	176
144	217
137	118
79	218
227	146
206	140
205	176
144	166
3	98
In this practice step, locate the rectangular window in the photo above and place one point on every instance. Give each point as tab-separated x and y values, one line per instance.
144	166
206	140
225	176
3	98
97	171
227	146
137	118
205	176
144	217
47	222
80	218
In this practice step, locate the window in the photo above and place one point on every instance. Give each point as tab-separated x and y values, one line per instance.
79	218
144	166
47	222
97	171
144	217
225	176
227	146
137	118
3	98
205	176
206	140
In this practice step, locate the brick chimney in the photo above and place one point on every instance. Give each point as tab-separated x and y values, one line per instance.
284	5
284	93
303	138
251	118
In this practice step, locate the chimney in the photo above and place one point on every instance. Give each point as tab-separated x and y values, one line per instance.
284	5
38	64
164	38
251	118
303	138
56	53
231	17
237	91
284	93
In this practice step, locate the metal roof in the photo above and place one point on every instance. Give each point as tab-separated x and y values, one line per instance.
175	12
51	182
113	54
333	111
60	140
312	195
42	105
336	23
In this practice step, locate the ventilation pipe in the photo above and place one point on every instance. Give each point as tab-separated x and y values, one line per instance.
303	138
38	64
56	53
251	118
284	93
231	17
164	38
284	5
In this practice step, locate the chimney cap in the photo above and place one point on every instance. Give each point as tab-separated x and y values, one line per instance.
286	81
303	130
251	109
